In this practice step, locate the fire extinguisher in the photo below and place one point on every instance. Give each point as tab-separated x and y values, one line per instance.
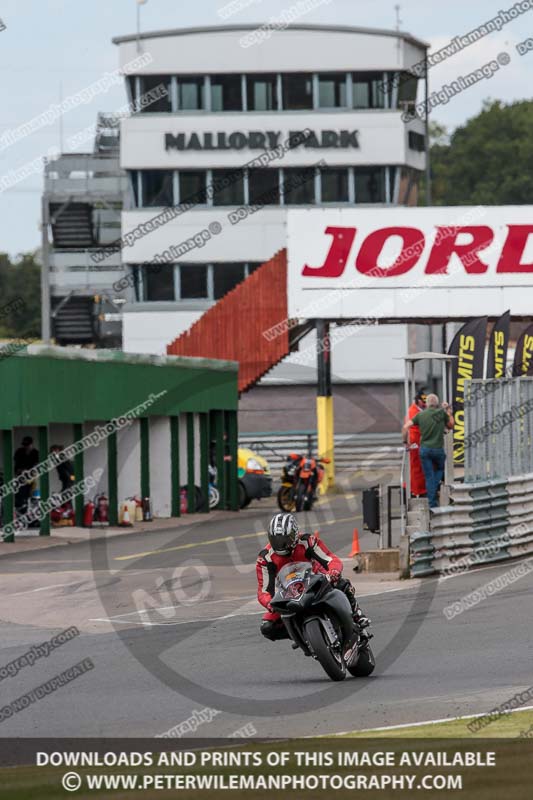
102	509
147	510
88	514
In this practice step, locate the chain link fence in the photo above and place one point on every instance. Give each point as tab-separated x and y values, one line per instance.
498	428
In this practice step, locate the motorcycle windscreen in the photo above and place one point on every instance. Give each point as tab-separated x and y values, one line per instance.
292	573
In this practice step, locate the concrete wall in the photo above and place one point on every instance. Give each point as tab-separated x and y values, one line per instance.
350	361
160	466
149	332
358	408
300	47
183	450
96	458
256	238
382	139
129	461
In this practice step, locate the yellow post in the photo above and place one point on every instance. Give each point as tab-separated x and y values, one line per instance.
326	445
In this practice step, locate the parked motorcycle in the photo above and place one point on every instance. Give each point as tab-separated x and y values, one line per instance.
214	494
300	479
319	621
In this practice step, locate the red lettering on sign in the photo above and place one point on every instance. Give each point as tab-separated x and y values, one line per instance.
335	262
513	250
412	248
446	245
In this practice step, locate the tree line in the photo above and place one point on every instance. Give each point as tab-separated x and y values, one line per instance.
20	297
487	161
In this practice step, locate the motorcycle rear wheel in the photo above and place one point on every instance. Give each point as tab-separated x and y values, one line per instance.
286	499
333	667
365	664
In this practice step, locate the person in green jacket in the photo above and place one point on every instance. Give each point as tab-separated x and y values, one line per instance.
433	422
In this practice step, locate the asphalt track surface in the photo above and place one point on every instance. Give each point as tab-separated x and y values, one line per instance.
170	622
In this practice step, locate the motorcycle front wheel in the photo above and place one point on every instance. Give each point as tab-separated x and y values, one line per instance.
335	667
214	497
309	499
286	499
300	496
365	664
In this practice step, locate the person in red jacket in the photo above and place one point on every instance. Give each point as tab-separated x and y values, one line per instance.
418	481
285	545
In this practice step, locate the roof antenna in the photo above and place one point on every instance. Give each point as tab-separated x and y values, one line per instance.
399	21
138	37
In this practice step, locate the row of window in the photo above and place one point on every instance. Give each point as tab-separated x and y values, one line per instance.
297	91
173	282
237	187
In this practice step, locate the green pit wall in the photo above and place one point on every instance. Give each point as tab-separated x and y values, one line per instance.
44	385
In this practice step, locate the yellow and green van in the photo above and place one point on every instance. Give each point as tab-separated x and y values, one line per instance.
255	480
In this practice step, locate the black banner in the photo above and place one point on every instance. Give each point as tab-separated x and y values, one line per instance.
523	357
468	346
498	345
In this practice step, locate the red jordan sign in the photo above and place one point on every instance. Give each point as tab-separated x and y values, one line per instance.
409	263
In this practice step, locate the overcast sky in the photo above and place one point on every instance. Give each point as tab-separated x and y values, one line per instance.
54	47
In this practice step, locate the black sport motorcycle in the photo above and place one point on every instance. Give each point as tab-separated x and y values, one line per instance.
319	621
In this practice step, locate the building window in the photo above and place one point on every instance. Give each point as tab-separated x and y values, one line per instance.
135	274
264	186
226	277
370	185
332	90
193	282
131	88
157	188
162	104
334	185
416	141
134	188
297	91
228	187
226	93
368	90
159	282
261	92
191	93
299	186
192	186
407	90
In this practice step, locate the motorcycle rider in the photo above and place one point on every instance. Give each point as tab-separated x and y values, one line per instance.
286	545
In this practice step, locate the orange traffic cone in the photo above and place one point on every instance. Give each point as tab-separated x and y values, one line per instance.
126	522
355	544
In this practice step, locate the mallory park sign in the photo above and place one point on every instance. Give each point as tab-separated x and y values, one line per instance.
261	140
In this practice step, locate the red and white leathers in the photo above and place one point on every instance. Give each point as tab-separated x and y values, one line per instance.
269	563
418	480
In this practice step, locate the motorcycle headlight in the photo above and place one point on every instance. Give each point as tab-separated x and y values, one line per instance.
295	590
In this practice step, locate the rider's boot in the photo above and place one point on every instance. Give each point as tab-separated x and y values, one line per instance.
358	617
362	621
